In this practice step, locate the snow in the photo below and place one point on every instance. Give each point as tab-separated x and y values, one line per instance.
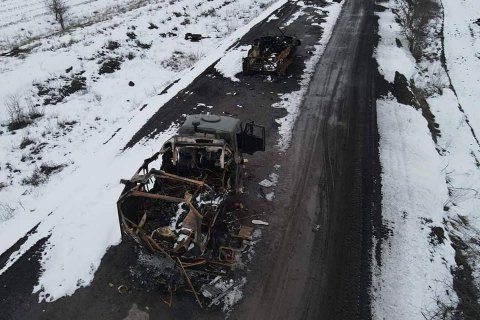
462	52
231	63
291	101
461	151
266	183
180	211
271	182
413	195
22	21
273	178
462	170
427	184
75	208
389	56
270	196
272	17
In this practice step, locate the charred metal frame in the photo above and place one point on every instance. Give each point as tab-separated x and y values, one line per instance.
140	196
176	210
270	54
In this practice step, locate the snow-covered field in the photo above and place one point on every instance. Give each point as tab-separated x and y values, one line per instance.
462	51
430	184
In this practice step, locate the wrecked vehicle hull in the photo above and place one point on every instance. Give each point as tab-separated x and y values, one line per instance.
173	214
270	55
182	210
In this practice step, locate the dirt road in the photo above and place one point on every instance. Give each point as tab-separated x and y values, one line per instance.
329	182
327	178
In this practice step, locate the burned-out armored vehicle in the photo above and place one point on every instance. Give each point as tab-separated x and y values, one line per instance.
270	55
173	201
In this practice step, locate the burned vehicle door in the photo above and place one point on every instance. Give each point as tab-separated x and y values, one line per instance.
251	138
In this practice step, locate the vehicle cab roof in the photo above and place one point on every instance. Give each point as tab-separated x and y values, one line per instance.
209	123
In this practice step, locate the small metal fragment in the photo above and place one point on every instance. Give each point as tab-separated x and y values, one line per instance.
122	289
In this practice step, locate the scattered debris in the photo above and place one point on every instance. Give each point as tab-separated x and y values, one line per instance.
266	183
271	182
203	105
194	37
131	83
221	290
270	196
315	228
260	222
122	289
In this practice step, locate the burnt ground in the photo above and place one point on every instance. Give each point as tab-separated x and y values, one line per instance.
328	177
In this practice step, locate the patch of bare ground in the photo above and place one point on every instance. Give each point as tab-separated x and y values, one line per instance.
41	174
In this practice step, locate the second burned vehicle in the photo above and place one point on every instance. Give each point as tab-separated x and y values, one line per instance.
174	210
271	54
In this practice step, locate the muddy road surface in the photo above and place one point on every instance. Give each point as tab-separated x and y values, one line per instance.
313	259
329	184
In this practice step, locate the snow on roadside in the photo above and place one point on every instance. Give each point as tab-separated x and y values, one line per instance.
461	156
231	64
291	101
389	56
417	256
76	208
413	196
